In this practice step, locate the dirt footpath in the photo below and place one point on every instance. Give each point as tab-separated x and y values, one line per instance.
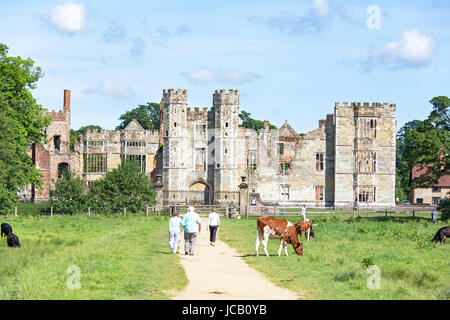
219	273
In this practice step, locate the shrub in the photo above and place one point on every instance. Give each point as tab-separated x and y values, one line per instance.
67	195
124	187
444	208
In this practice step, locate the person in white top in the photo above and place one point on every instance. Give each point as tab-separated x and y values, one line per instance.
304	214
213	226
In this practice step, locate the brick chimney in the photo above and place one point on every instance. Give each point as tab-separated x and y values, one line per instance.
66	107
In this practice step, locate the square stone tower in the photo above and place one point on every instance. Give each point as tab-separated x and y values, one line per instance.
174	105
365	149
226	125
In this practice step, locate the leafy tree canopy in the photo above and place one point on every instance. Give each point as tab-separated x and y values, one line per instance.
427	143
21	123
148	116
17	78
250	123
123	187
67	195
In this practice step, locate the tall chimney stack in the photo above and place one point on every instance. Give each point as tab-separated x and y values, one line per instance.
66	107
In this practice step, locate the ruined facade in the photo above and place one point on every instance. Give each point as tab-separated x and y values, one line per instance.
203	156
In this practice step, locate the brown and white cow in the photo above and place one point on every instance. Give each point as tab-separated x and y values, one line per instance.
306	228
277	229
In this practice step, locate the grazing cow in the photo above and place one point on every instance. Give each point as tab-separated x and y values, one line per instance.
13	241
278	229
306	228
441	234
6	229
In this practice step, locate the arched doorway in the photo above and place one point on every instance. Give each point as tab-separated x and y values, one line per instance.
199	193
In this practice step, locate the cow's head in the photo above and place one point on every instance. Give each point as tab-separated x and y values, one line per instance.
298	248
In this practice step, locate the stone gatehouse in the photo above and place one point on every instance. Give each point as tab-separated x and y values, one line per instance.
203	156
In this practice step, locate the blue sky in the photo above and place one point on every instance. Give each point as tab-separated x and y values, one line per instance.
291	60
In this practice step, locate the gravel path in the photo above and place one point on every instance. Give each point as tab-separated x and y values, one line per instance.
219	273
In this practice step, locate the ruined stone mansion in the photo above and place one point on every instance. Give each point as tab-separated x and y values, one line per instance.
203	156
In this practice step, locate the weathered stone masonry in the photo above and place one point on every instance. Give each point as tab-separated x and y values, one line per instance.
203	156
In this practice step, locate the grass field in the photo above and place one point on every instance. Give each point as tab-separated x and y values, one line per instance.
334	265
118	257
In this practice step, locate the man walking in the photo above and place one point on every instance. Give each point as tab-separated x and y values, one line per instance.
192	226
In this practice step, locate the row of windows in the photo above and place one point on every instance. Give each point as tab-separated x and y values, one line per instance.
362	193
124	143
134	143
97	163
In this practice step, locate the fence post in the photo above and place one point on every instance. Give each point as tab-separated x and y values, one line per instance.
15	211
89	211
51	212
146	211
385	214
414	213
125	211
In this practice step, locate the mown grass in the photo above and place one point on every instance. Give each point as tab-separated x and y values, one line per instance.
335	262
119	258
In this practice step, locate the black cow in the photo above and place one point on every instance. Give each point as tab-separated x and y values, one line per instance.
6	229
441	234
13	241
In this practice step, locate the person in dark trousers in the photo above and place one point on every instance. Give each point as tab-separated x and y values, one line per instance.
433	216
213	225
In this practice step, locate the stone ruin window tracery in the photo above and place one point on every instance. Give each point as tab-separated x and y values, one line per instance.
95	163
95	143
57	142
285	191
251	161
319	193
320	161
365	194
366	128
141	160
366	162
200	159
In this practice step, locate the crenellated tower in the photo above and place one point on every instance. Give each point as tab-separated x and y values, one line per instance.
365	145
226	122
174	105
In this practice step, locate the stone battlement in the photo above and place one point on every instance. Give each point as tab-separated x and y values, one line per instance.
224	97
56	115
197	113
365	105
172	96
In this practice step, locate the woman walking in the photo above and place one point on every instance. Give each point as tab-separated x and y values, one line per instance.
213	225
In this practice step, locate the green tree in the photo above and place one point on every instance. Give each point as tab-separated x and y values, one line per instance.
248	122
67	195
148	116
123	187
75	134
17	78
428	144
444	208
21	124
403	169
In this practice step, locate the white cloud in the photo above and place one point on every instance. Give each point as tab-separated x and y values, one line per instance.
321	8
111	88
207	76
68	17
412	50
